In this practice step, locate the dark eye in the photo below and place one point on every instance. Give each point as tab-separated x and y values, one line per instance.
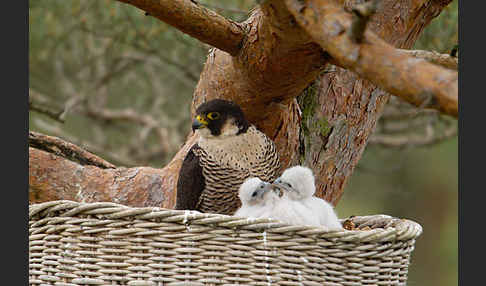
254	194
213	115
288	184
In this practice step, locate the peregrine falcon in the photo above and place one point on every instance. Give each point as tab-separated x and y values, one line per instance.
299	183
229	150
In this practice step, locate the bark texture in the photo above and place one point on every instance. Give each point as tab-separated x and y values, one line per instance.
444	60
419	82
196	21
274	62
344	108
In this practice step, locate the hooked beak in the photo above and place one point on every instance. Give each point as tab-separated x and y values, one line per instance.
199	122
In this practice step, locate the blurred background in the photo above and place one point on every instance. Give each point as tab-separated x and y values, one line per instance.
119	83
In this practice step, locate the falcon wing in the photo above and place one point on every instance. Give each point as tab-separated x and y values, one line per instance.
191	181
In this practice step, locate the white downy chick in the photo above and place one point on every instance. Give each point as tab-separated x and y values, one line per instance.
260	199
253	200
299	183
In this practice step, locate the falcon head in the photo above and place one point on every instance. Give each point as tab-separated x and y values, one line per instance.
297	182
219	118
254	191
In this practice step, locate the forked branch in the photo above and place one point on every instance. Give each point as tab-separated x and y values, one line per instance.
414	80
277	61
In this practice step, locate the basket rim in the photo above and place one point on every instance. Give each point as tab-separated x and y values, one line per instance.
384	228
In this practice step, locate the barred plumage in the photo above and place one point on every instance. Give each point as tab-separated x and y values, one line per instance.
225	171
219	162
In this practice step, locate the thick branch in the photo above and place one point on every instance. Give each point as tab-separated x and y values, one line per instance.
61	170
416	81
196	21
53	177
342	114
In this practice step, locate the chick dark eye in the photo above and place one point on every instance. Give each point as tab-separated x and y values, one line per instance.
213	115
254	194
288	184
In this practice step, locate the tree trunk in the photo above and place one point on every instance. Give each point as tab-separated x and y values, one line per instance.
264	73
342	109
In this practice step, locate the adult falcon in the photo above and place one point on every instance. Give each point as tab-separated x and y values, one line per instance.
228	151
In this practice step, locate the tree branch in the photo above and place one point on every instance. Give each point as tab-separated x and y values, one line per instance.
445	60
53	177
276	62
116	157
361	15
131	115
414	140
196	21
65	149
411	79
56	115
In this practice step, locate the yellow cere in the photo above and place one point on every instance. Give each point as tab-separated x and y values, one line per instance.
201	119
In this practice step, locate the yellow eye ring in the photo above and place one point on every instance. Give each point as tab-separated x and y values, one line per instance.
213	115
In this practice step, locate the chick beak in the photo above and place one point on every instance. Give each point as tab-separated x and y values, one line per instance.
281	186
259	194
262	190
198	123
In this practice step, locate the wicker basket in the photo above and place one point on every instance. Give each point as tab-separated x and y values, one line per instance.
110	244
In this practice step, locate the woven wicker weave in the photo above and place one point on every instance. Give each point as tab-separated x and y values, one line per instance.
110	244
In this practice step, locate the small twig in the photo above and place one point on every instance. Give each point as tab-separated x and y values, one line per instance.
43	110
148	52
445	60
361	15
131	62
401	126
395	114
429	138
154	51
71	103
131	115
